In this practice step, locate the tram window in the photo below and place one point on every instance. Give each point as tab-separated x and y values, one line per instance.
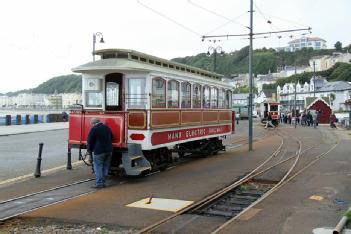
214	97
158	93
221	98
173	94
273	107
206	101
186	95
136	93
112	94
196	96
93	99
228	99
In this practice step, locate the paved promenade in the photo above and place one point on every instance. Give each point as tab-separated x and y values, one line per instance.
29	128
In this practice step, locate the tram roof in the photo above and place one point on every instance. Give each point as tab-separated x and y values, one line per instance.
134	60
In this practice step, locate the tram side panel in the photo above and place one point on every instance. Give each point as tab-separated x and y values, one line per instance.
79	128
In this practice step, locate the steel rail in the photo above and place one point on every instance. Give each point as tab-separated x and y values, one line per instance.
17	199
214	196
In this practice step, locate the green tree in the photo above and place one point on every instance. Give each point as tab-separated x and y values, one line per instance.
338	46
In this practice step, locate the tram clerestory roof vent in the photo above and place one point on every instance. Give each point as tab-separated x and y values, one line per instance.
155	61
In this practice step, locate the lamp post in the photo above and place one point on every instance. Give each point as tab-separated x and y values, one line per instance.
214	51
95	35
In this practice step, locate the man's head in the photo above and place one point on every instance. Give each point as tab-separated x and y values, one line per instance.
94	121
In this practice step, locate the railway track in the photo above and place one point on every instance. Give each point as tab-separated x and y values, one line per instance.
223	207
33	201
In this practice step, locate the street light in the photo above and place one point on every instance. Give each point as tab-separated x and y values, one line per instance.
95	35
214	51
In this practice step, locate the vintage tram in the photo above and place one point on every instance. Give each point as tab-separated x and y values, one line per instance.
153	106
271	108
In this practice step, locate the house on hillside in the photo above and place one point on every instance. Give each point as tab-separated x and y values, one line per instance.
336	92
266	95
324	62
315	43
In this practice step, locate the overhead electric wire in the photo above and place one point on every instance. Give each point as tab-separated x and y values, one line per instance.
228	22
168	18
259	33
289	21
219	15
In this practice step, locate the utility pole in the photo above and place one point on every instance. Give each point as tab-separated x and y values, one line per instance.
314	79
295	98
251	34
250	75
215	61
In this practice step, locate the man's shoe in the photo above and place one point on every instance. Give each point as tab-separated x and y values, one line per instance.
98	186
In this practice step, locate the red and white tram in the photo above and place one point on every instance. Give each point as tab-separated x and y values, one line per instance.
153	106
272	108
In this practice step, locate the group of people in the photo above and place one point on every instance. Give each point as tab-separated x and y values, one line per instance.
309	118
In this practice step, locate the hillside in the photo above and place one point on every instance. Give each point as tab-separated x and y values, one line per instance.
61	84
264	60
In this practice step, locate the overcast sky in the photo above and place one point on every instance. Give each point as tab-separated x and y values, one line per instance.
41	39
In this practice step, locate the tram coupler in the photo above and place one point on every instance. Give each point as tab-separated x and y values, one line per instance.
69	159
37	172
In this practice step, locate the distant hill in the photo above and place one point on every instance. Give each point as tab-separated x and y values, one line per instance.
62	84
264	60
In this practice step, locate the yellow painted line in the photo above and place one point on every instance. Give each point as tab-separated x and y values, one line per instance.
45	172
249	214
316	197
171	205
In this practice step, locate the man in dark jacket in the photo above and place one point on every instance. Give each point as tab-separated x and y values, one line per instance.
100	144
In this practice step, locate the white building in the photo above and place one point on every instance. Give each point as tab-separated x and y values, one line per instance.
325	62
337	92
4	101
291	70
30	100
69	99
306	42
240	80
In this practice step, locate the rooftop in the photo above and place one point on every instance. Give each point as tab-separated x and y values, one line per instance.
308	39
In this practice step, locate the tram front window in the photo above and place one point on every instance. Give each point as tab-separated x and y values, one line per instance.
112	96
93	99
274	108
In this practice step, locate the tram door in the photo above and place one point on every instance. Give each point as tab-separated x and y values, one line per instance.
113	92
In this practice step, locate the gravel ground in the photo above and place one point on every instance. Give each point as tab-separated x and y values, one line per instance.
38	226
